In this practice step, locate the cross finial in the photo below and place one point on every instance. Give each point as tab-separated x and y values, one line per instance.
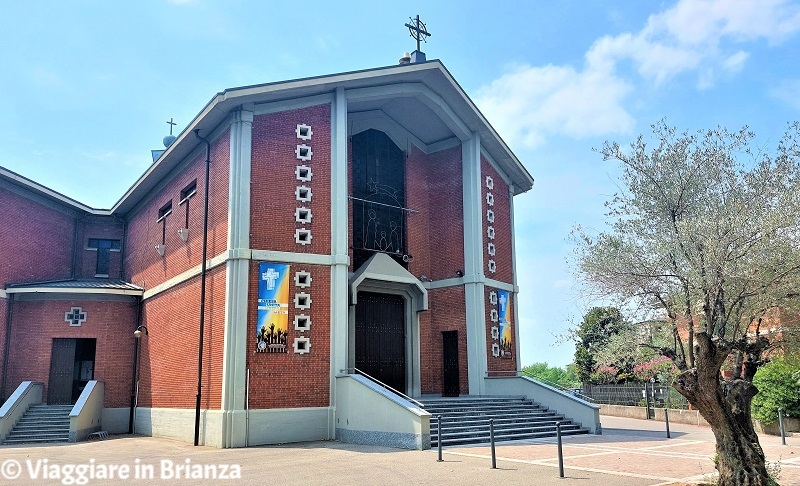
171	124
417	30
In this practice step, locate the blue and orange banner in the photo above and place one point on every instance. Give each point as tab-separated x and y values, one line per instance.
503	304
272	324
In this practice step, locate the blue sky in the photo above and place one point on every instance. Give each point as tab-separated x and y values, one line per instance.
87	88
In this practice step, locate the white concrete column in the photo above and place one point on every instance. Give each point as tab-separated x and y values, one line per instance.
339	238
515	300
473	264
234	363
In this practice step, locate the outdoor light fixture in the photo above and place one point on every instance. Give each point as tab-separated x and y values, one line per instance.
160	249
459	273
138	332
423	278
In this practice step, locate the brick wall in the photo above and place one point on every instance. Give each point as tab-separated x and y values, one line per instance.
36	323
502	225
107	228
447	313
168	366
143	265
35	240
288	380
272	195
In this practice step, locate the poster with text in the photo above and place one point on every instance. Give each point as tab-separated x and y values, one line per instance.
503	304
272	323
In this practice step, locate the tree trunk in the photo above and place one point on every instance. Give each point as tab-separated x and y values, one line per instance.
725	404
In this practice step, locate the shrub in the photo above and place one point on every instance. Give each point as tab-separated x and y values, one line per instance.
778	388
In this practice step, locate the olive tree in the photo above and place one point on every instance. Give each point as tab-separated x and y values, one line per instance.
705	229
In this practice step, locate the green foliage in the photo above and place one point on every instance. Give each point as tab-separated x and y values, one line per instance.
565	377
778	389
598	326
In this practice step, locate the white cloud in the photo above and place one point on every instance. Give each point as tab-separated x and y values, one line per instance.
531	103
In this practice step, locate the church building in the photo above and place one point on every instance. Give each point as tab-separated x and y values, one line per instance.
307	260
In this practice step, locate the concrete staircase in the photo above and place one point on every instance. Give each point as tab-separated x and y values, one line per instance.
466	420
41	423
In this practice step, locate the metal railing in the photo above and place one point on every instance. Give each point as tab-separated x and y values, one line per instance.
575	392
636	394
351	371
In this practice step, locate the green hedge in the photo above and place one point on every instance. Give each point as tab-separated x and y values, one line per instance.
778	388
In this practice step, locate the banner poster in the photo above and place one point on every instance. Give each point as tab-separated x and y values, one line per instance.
272	323
503	301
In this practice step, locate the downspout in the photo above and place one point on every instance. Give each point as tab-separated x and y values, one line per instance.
6	347
135	364
202	293
122	247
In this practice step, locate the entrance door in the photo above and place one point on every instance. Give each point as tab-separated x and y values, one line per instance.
71	367
450	363
381	338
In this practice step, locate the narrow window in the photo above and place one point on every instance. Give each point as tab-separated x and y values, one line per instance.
104	249
165	211
186	194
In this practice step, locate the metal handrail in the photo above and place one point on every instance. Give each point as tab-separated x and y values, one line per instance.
546	382
351	371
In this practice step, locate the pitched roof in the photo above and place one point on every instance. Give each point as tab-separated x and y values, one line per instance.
77	286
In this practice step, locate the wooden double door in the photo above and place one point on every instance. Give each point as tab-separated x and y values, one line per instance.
71	367
380	338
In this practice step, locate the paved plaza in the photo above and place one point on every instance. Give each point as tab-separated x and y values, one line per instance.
630	452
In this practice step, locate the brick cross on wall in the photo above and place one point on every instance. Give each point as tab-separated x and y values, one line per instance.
75	316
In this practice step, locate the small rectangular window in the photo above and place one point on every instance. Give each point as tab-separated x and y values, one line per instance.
188	192
165	211
104	249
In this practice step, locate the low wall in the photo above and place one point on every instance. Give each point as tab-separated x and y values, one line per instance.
572	407
27	393
678	416
368	414
87	412
790	424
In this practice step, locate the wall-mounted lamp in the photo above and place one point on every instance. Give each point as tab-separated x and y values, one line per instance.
459	273
160	249
423	278
138	332
183	233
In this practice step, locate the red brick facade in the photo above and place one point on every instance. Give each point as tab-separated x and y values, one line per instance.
291	380
36	323
447	312
143	265
36	239
502	225
168	365
272	191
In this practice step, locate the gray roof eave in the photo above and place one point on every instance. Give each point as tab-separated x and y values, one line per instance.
432	73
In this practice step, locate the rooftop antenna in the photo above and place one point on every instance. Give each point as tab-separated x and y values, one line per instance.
418	32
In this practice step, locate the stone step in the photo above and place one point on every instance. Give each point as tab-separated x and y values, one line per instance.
492	414
504	437
466	408
456	431
500	422
34	440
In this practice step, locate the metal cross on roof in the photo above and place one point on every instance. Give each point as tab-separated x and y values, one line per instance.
417	30
171	124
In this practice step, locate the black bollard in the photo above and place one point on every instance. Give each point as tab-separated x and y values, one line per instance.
783	430
666	420
647	400
439	435
560	454
491	442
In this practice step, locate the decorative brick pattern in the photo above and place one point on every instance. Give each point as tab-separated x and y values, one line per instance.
275	179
